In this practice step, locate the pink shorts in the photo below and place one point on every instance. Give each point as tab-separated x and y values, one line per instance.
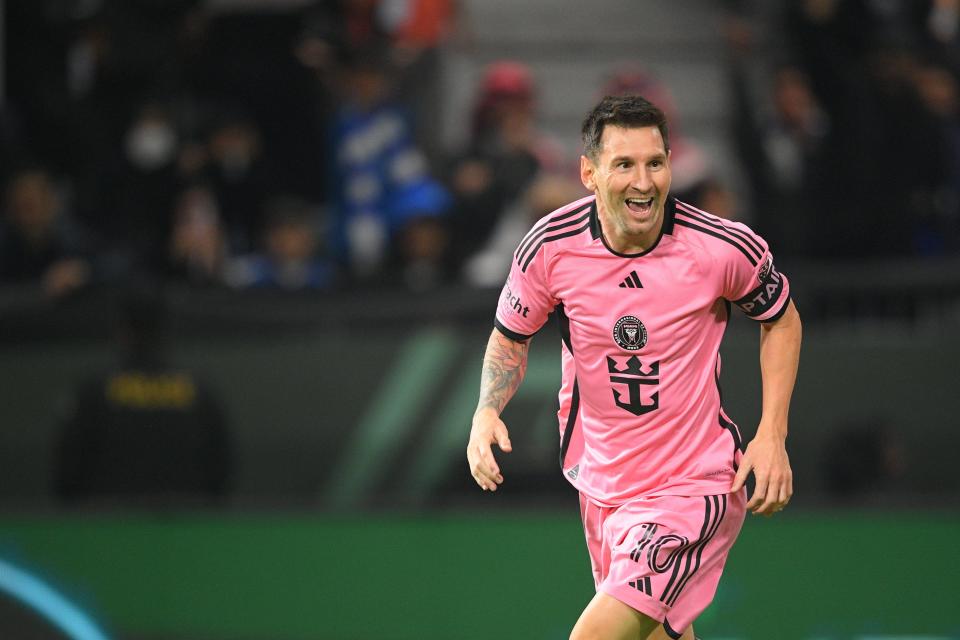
663	555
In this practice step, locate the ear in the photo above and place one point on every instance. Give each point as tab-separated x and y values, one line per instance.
588	173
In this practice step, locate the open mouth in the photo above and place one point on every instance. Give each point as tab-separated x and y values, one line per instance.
639	205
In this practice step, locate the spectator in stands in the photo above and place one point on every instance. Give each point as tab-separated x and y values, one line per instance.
236	173
862	61
504	157
382	186
291	259
938	228
39	242
144	186
248	61
198	241
418	30
490	265
146	433
787	157
117	54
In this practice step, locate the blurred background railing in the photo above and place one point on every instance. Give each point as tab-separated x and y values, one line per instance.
349	400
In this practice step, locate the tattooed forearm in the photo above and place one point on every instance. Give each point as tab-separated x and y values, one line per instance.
504	364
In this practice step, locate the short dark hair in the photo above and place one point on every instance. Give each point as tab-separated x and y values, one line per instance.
621	111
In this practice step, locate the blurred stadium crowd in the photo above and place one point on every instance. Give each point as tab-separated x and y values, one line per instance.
297	145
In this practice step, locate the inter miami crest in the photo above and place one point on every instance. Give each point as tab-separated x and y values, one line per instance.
630	333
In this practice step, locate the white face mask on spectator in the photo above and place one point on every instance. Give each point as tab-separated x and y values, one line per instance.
151	145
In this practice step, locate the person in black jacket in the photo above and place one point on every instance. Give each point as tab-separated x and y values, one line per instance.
146	433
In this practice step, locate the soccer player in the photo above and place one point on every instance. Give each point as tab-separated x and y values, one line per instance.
642	286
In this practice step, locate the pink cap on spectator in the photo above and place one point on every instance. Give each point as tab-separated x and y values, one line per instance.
507	78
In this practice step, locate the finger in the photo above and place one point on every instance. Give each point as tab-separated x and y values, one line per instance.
778	495
487	465
741	477
785	494
759	495
476	466
483	477
491	483
503	440
486	479
486	462
479	458
484	483
771	503
767	507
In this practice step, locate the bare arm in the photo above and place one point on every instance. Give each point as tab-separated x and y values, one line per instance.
766	455
504	364
779	359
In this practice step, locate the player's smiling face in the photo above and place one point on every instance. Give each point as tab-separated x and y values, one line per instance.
631	179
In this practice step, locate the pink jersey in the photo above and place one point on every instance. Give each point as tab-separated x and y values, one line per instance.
640	411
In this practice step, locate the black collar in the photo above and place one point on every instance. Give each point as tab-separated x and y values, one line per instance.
595	222
669	210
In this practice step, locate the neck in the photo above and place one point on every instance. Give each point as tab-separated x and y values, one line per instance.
623	242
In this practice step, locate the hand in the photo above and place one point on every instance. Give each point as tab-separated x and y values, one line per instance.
767	457
487	429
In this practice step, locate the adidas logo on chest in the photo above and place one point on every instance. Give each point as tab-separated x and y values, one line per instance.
632	281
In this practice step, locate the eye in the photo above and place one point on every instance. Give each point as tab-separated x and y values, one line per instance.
624	164
656	164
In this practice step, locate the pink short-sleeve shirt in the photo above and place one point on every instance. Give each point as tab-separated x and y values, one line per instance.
640	411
